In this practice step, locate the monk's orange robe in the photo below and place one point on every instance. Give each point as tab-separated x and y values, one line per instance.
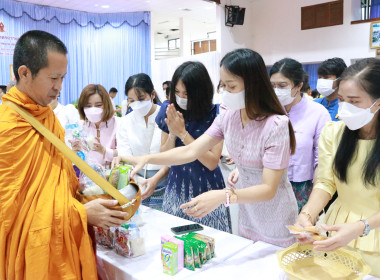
43	228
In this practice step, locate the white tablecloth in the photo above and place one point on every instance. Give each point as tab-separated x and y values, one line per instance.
236	257
149	266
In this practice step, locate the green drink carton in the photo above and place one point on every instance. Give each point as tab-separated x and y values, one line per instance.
170	258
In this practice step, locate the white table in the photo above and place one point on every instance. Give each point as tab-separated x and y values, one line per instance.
149	266
236	257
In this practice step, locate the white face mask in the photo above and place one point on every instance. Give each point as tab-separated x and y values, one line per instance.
234	101
94	114
182	102
355	117
141	108
324	86
284	95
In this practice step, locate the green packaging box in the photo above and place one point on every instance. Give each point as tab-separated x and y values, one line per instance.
170	258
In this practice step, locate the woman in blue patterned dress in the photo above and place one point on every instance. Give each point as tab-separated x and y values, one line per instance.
189	115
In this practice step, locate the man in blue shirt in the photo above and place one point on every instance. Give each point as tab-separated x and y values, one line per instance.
329	73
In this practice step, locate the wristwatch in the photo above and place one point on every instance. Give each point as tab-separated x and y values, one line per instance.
367	229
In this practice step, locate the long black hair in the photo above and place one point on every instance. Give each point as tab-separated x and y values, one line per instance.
199	88
141	83
366	73
260	99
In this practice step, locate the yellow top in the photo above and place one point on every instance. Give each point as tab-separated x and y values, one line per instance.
355	201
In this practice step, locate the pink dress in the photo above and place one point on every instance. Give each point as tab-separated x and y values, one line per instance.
260	144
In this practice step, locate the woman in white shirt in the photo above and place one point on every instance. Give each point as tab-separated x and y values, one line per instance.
138	134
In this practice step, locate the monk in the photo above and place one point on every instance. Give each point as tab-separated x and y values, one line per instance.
43	228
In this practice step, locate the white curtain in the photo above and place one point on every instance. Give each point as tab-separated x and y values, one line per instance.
163	70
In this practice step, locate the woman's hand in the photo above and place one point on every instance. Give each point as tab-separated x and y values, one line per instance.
97	147
302	222
99	215
76	145
175	122
345	233
204	203
137	162
233	177
150	184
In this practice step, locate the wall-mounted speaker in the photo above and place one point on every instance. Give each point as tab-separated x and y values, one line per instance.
234	15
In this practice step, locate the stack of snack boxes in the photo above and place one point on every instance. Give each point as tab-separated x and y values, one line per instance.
190	251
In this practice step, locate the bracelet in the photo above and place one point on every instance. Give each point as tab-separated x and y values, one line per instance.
308	216
227	198
183	139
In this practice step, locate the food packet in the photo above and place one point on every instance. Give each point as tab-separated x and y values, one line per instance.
311	232
104	237
86	185
208	240
189	256
195	248
204	249
120	176
205	238
121	240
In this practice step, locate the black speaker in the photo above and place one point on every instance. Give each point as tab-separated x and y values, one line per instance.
234	15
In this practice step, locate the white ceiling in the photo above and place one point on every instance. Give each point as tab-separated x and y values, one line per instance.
166	12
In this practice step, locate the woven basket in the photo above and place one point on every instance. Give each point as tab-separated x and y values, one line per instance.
301	262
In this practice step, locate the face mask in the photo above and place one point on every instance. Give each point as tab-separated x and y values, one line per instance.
284	95
324	86
141	108
94	114
355	117
234	101
182	102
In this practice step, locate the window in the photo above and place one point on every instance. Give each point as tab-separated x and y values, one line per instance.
365	9
173	44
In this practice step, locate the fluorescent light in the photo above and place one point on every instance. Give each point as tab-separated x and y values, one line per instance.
105	6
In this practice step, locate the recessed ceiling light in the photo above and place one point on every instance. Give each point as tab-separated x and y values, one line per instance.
96	5
105	6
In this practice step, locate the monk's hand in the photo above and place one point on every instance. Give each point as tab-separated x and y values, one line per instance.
204	203
99	215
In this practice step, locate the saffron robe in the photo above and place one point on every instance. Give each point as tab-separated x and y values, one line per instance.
43	228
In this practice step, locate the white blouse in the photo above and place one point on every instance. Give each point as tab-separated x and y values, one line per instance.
136	138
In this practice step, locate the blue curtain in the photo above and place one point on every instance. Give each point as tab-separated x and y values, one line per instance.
312	70
102	48
375	9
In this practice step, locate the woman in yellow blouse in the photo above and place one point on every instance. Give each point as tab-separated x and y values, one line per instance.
349	163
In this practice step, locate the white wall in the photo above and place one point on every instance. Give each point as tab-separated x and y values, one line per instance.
276	33
239	36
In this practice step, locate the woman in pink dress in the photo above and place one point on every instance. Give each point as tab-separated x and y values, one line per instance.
260	140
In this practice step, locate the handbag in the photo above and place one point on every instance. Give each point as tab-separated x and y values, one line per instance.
125	205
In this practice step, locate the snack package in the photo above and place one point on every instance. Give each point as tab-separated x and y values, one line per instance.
121	240
170	258
120	175
86	185
180	244
188	257
208	239
202	247
195	248
311	232
104	237
128	242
